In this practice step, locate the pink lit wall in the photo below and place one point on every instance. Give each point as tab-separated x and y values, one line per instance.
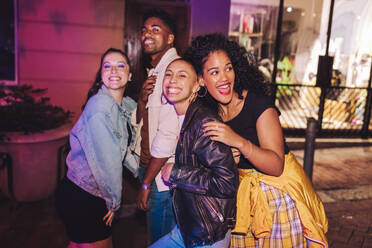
60	44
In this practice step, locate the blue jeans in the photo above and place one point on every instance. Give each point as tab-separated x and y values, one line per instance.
160	217
174	240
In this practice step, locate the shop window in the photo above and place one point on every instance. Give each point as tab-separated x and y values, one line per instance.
254	27
350	42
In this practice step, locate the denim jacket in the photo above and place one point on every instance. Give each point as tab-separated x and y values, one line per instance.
100	147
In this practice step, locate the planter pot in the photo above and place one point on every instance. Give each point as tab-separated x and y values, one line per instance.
33	163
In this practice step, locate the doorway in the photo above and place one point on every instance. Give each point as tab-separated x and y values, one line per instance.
179	11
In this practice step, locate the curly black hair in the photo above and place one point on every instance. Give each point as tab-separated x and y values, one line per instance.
97	84
247	74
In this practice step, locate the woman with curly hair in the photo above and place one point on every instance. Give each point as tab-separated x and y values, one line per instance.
88	197
276	203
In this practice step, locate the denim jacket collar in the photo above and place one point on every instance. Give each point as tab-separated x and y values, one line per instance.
127	104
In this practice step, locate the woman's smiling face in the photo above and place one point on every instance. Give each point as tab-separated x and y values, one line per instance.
180	84
218	76
115	71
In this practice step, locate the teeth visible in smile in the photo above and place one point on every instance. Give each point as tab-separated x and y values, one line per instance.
173	90
226	86
114	78
146	42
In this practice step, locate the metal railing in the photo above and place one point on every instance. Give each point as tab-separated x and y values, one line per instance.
340	111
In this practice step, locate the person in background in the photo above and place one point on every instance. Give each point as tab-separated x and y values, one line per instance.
276	203
204	177
158	124
88	197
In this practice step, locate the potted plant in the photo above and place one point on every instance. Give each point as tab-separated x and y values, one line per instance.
32	135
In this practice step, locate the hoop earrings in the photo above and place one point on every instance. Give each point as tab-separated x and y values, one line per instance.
202	92
163	100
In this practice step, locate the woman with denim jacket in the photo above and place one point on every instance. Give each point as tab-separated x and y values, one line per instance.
204	176
88	198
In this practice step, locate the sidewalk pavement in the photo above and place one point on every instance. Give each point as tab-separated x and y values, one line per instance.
342	176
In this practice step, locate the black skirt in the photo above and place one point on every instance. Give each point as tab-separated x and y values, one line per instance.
82	213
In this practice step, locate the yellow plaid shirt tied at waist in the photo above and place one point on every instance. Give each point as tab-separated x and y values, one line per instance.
293	181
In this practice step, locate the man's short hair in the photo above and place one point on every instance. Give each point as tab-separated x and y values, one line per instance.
164	16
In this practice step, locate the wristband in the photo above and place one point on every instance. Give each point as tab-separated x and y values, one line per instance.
144	186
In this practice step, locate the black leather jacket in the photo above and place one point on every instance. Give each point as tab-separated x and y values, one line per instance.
206	180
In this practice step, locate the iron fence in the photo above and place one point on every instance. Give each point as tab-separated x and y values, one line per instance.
340	111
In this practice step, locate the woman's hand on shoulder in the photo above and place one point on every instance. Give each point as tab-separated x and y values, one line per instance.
221	132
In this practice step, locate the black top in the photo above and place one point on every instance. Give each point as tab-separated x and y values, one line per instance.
244	123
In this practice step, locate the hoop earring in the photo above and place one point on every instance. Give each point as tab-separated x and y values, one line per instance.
163	100
203	90
193	97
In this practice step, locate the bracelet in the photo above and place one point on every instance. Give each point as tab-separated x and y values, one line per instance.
144	186
250	150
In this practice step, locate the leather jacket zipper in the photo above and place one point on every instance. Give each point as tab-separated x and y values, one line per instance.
203	216
214	210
